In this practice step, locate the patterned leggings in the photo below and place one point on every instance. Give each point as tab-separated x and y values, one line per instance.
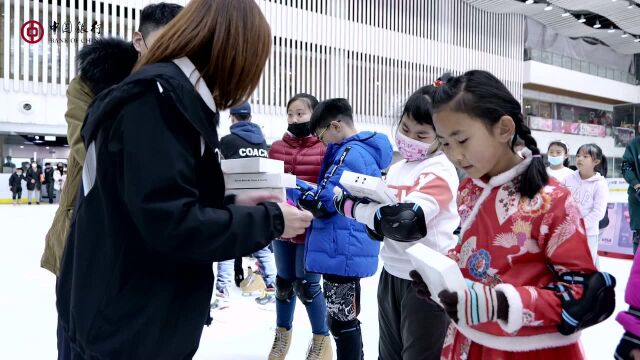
342	295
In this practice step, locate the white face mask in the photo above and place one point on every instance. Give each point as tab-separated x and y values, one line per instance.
411	149
555	160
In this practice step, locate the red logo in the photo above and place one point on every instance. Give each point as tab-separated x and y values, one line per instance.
32	32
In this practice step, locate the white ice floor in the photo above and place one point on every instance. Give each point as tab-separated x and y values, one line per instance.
243	331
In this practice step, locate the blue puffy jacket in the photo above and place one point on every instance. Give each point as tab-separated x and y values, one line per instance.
335	244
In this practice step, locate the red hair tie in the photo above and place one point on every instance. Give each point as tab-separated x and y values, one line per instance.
438	83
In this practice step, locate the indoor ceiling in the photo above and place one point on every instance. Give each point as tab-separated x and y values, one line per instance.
616	23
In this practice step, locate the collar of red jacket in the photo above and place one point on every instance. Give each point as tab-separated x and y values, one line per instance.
304	142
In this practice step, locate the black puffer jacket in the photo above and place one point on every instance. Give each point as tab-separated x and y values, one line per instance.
136	276
33	178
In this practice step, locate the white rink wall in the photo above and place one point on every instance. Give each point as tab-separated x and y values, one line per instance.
375	53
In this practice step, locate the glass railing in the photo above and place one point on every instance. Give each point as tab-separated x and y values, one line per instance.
567	62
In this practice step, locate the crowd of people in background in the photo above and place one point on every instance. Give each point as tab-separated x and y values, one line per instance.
35	177
140	284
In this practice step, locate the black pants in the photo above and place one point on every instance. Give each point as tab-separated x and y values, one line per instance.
17	194
342	295
66	351
410	328
50	191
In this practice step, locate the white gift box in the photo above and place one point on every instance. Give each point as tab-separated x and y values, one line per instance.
252	166
438	271
370	187
281	192
259	181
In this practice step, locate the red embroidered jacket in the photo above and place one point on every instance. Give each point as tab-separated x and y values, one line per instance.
507	242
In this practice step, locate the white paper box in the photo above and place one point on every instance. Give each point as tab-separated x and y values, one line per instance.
259	181
438	271
281	192
252	166
370	187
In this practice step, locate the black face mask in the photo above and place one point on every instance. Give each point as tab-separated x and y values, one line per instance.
299	130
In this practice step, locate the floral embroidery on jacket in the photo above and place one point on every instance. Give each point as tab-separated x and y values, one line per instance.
479	264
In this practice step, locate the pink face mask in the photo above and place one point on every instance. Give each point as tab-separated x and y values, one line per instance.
410	149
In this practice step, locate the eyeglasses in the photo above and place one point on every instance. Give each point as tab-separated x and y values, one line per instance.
323	131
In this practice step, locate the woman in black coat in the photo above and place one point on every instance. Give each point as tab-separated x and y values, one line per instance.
136	275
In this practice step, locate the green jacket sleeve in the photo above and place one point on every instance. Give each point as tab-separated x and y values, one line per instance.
79	97
629	170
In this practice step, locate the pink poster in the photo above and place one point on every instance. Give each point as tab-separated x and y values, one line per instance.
592	130
557	125
617	237
538	123
571	128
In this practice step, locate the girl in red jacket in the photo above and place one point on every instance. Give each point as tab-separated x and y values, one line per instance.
523	250
302	154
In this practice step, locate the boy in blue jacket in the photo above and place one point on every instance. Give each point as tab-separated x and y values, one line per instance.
337	247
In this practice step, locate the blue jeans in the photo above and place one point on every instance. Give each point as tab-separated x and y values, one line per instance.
225	274
267	264
290	265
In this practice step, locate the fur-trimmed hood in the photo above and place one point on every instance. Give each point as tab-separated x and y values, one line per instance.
106	62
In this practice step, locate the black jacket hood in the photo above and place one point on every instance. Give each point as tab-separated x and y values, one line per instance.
173	82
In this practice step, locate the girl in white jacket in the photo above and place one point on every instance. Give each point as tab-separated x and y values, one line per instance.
590	191
426	185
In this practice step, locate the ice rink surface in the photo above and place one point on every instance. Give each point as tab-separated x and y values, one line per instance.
244	330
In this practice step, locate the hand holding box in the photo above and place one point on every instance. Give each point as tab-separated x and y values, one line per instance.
438	271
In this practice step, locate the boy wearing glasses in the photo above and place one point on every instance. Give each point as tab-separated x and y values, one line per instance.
337	247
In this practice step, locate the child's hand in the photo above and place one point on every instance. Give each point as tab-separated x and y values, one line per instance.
488	305
255	198
422	291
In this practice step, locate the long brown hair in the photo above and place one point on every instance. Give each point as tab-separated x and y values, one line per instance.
228	41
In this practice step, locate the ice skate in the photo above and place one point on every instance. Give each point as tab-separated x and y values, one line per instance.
281	344
268	296
253	285
320	348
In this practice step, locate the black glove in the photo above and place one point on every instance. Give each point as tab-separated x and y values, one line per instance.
628	343
314	206
422	291
401	222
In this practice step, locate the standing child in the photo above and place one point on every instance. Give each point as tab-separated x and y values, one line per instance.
590	190
302	154
15	184
520	231
246	140
558	157
337	247
426	183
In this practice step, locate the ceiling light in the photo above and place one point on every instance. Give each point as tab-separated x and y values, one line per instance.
611	29
549	7
637	39
21	147
582	19
613	0
50	138
630	6
566	13
597	25
529	2
47	148
624	34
